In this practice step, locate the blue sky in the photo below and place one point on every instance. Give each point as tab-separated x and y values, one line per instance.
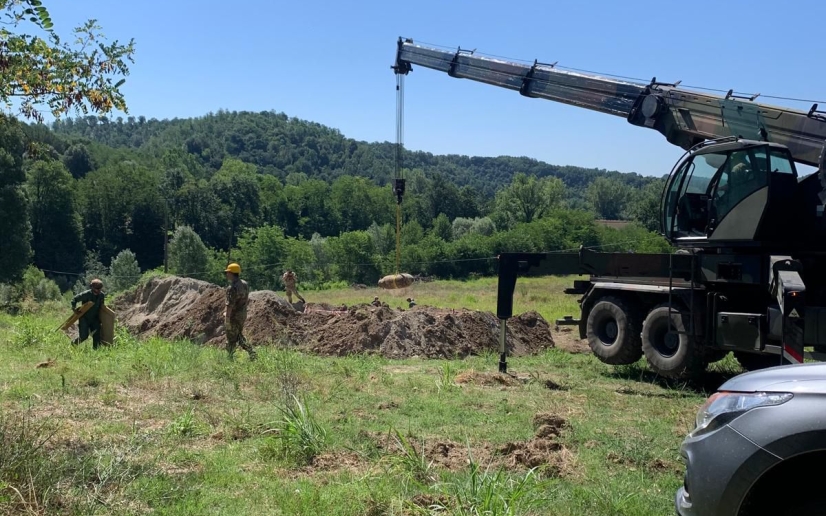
329	62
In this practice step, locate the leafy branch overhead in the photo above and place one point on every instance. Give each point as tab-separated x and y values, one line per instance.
85	75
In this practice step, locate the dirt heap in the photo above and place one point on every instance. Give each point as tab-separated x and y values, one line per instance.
544	450
186	308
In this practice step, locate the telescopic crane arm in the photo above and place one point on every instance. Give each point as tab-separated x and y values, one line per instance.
684	117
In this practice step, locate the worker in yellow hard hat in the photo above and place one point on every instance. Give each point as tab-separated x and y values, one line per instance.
235	315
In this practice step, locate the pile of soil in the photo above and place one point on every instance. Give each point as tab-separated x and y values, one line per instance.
187	308
543	450
486	378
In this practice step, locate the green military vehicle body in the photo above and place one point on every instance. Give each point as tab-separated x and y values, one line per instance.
749	273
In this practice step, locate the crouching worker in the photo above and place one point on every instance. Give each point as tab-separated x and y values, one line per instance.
89	323
235	314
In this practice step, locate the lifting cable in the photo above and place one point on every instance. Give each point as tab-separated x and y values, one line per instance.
398	280
398	182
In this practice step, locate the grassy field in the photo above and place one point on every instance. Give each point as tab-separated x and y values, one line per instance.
174	428
541	294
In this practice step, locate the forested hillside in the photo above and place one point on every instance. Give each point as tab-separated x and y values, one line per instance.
273	191
279	145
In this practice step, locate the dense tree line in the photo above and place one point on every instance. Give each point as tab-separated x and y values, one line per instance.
278	192
279	145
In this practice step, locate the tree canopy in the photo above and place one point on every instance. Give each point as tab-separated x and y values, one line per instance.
82	75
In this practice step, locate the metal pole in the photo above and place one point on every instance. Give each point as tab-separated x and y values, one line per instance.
166	237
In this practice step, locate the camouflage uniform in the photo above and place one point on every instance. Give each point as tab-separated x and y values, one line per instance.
237	296
289	283
90	322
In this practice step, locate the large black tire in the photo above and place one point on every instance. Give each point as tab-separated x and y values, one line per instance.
754	362
670	355
613	332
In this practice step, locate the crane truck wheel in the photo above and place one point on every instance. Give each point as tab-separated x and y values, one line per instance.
613	332
672	355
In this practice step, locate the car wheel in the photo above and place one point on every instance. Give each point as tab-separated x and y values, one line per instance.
613	332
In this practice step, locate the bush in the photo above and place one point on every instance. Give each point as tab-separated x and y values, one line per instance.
37	287
33	290
188	256
124	271
483	226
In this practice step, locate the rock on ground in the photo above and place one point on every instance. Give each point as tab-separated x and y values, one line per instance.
175	307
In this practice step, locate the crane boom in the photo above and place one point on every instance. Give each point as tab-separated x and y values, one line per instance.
683	116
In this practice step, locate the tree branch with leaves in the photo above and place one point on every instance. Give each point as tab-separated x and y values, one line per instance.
83	76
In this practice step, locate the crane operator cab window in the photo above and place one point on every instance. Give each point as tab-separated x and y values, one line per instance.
707	187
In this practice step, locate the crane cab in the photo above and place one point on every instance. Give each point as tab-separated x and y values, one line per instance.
730	191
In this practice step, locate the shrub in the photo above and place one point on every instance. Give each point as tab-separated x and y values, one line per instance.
124	271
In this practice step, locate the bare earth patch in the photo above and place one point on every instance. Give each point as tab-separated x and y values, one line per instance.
656	465
486	378
543	451
337	460
567	339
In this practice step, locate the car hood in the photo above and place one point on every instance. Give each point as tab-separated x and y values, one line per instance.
798	378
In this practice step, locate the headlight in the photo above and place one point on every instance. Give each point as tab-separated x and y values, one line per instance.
723	407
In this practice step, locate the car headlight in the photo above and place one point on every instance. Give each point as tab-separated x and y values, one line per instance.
722	407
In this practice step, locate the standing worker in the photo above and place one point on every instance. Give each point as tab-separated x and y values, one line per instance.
235	315
289	282
90	321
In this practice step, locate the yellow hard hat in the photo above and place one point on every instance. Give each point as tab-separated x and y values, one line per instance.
233	267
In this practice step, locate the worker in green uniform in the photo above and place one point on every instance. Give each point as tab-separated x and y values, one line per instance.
89	323
235	316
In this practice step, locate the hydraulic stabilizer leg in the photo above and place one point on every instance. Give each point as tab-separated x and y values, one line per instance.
790	291
503	350
510	265
508	269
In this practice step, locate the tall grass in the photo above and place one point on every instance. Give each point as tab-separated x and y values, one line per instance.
297	435
39	475
486	492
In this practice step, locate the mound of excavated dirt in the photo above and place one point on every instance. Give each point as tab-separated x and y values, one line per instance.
486	378
187	308
543	450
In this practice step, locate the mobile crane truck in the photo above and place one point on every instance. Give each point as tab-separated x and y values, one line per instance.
749	272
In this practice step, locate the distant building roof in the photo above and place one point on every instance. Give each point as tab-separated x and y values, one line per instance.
616	224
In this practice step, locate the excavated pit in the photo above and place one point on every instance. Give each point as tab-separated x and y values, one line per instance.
174	307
